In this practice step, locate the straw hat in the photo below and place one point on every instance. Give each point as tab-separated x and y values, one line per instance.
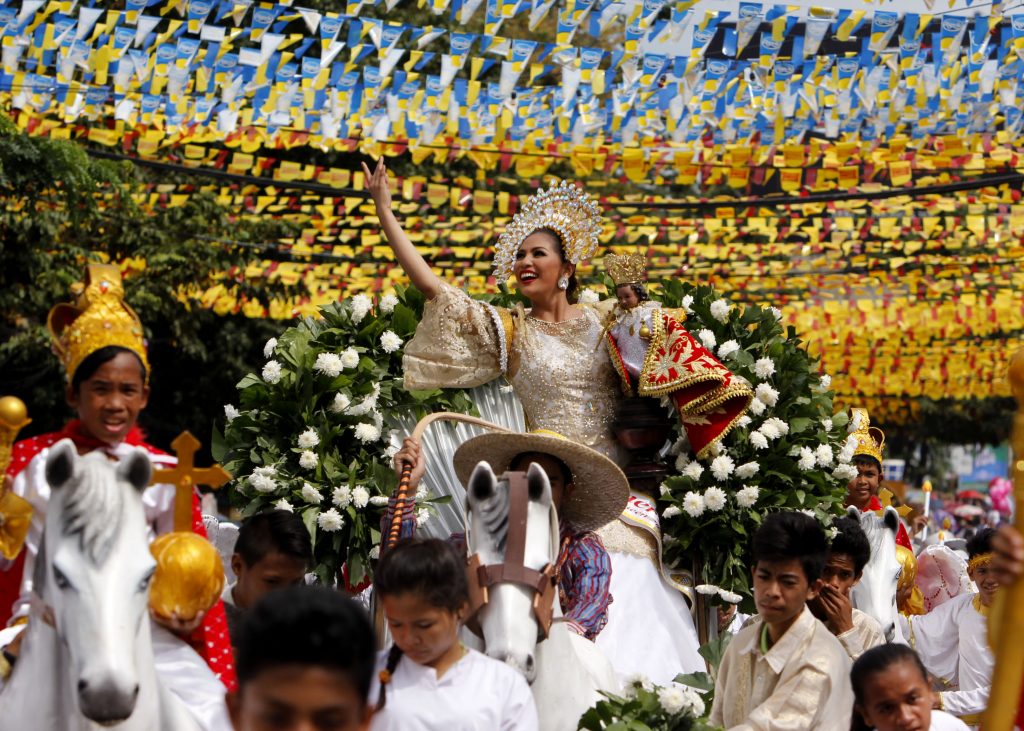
601	489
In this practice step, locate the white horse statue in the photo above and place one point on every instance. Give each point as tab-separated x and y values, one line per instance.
875	593
565	671
87	660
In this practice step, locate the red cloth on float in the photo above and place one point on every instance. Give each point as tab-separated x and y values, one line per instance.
902	537
210	639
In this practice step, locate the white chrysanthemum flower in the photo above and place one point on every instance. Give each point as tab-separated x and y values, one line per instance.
368	404
390	342
387	304
361	305
730	596
272	372
756	407
308	439
391	451
349	358
845	455
808	512
268	349
375	553
826	424
311	495
693	702
831	533
308	460
746	497
367	433
639	680
747	470
851	442
779	424
379	500
758	440
672	698
422	516
328	363
671	511
340	404
680	445
826	381
743	422
707	338
715	449
693	470
330	520
764	368
283	504
807	459
681	461
589	297
770	431
693	504
767	394
714	499
664	490
230	412
776	312
720	309
728	348
844	472
706	589
360	496
824	455
688	303
722	466
262	479
342	496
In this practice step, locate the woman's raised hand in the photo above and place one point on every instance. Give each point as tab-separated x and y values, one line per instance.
378	184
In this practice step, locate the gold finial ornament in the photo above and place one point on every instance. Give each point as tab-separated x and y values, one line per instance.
13	418
565	209
15	512
98	318
870	439
626	268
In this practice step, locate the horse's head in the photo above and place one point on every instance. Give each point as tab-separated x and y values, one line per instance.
508	620
93	572
875	593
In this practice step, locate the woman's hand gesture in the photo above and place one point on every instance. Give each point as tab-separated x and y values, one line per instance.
378	184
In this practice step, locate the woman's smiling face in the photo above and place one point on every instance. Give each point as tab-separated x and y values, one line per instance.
539	265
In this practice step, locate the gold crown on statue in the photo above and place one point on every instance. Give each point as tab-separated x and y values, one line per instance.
99	317
626	268
189	575
868	445
565	209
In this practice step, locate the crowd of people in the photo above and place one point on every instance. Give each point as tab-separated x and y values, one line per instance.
267	651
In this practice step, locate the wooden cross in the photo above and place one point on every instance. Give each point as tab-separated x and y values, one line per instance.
186	476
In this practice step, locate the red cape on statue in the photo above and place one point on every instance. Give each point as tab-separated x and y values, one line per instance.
210	640
902	538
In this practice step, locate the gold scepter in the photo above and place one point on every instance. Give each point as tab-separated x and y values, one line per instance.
15	512
1006	623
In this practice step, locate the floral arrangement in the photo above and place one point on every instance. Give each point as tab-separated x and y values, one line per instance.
310	433
790	451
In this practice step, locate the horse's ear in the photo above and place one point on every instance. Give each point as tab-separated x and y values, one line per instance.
538	485
853	512
891	519
135	469
61	463
481	483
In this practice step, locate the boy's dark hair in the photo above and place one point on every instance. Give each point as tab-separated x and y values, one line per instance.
307	625
874	661
851	541
980	542
274	530
865	459
96	359
429	568
792	535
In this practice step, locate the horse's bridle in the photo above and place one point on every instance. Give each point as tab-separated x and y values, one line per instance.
513	569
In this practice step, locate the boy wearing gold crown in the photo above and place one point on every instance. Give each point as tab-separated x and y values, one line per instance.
862	491
99	340
655	355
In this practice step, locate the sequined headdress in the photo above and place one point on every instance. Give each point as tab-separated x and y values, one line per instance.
870	439
626	268
563	208
99	317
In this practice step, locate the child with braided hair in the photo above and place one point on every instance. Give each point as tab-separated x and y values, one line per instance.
428	679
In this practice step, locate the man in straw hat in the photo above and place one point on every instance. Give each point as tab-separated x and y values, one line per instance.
588	490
